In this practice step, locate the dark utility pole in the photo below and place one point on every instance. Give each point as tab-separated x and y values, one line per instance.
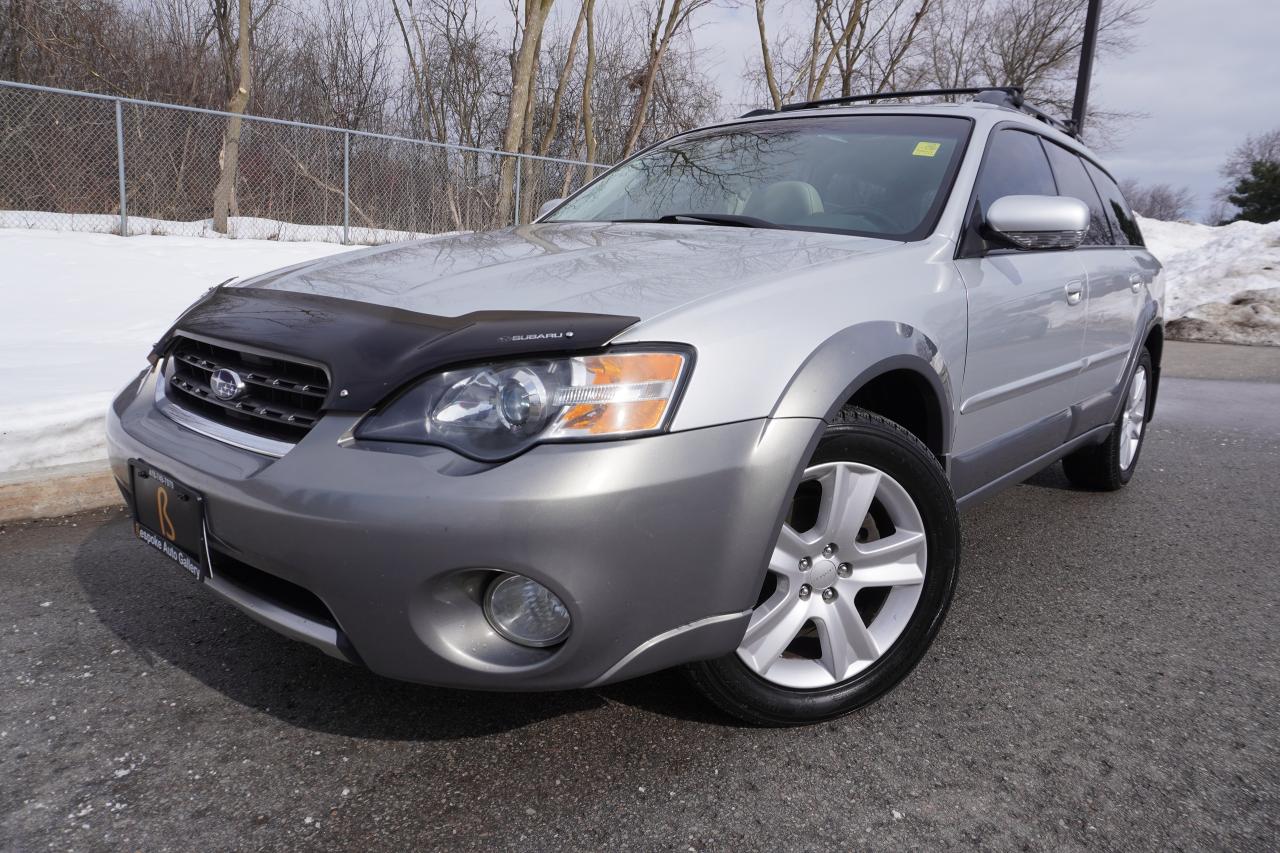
1087	48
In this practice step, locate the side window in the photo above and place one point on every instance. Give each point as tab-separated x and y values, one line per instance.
1073	181
1123	224
1014	165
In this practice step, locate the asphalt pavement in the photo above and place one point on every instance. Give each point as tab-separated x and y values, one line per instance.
1107	679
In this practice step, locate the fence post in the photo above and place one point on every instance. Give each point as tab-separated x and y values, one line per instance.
516	212
124	201
346	187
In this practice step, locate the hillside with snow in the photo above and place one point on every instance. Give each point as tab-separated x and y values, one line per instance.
79	312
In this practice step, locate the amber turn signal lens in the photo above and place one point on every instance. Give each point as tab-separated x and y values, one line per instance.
621	393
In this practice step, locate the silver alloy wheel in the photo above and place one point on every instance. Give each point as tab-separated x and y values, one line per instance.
1133	419
820	571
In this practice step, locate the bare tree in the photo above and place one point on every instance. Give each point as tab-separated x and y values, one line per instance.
845	42
522	69
1035	44
237	72
415	48
343	64
566	69
954	45
667	23
1159	201
877	45
766	59
588	77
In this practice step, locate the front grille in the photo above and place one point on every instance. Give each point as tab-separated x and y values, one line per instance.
281	400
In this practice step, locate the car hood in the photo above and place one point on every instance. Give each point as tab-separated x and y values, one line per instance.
636	270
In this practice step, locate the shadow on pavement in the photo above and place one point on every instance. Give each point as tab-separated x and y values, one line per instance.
155	608
1052	478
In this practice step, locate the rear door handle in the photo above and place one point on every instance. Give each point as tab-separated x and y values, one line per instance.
1135	282
1074	291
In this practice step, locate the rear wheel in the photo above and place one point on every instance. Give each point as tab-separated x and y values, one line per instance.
857	586
1110	465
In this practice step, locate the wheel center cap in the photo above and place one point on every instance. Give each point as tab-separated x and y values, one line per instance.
822	575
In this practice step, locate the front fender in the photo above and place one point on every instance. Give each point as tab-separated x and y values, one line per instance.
852	357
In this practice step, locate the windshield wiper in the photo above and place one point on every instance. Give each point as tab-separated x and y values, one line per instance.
731	219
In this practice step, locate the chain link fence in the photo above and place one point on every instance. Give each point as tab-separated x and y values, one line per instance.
83	162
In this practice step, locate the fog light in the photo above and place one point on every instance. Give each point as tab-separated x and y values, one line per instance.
525	612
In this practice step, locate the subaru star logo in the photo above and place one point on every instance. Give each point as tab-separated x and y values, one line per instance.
226	384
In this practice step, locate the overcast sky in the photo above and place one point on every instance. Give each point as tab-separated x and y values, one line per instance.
1204	72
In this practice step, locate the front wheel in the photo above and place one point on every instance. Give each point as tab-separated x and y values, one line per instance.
858	583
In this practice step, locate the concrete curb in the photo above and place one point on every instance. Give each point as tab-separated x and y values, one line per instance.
57	491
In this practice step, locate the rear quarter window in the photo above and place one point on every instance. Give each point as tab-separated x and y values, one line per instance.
1124	226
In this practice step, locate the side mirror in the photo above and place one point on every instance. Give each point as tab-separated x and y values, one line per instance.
1038	221
548	206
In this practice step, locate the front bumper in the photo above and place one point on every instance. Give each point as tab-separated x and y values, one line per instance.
657	545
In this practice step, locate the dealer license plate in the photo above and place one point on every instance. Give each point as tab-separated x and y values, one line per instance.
169	517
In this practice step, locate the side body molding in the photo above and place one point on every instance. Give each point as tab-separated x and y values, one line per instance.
849	359
1012	458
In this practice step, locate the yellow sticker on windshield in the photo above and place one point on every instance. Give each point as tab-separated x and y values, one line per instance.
926	149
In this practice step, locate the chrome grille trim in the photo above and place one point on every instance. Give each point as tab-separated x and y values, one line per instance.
212	429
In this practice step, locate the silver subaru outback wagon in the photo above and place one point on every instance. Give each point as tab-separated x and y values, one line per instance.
719	409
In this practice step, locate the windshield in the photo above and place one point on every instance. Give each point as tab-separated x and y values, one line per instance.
877	175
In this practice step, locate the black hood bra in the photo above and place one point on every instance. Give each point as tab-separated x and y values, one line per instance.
370	351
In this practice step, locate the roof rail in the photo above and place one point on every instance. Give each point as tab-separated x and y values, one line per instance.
1005	96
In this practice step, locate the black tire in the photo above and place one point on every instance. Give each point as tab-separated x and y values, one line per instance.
858	436
1098	467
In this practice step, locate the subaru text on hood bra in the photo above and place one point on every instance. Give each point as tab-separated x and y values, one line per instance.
718	409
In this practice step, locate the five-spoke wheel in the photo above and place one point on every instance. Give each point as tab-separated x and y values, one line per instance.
857	583
850	581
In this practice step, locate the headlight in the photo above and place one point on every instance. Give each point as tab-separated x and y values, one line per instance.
494	411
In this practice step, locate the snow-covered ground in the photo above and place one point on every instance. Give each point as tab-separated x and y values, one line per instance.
79	312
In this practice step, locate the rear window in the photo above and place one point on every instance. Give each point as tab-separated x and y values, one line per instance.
1124	227
1073	182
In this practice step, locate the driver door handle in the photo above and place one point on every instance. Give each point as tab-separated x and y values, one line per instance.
1075	290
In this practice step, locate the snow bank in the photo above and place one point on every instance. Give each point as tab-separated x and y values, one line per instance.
1223	282
78	314
1250	317
1167	239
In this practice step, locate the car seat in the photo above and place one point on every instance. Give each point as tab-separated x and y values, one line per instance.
784	201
